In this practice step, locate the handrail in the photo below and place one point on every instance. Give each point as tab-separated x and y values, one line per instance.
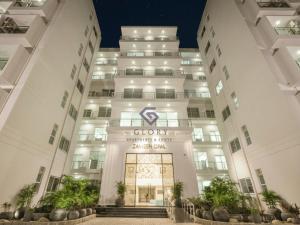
29	3
154	73
145	54
131	38
189	208
287	30
272	4
170	206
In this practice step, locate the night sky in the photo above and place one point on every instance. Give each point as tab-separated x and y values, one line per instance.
186	14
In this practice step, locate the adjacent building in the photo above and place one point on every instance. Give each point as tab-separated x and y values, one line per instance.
46	50
251	52
148	120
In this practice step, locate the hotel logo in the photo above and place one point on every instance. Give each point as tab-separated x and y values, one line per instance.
149	115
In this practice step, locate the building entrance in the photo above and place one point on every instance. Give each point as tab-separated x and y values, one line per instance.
149	179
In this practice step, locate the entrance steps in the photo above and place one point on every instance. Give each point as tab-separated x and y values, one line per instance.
129	212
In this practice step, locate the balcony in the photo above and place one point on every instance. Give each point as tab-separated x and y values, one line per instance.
255	9
150	54
132	123
164	73
149	96
211	166
280	31
195	77
196	94
103	76
106	62
148	38
90	139
100	94
19	29
92	166
207	139
44	8
191	62
12	61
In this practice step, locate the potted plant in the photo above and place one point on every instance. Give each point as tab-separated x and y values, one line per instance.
223	195
255	216
271	198
289	211
23	202
7	214
121	189
177	193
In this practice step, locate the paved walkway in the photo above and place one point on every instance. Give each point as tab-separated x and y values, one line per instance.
130	221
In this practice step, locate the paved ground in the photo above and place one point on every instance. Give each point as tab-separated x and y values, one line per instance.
130	221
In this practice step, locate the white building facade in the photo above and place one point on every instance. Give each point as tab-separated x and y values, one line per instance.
148	121
46	49
251	50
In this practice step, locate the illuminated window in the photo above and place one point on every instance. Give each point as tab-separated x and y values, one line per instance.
219	87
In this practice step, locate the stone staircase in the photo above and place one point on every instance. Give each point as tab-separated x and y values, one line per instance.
129	212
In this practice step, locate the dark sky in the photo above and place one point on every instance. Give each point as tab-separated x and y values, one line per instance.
112	14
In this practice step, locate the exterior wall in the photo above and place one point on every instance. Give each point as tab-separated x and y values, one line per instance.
34	103
270	113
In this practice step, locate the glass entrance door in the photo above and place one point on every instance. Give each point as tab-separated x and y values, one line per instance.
148	179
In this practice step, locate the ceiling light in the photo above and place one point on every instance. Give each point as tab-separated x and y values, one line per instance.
165	62
116	55
163	31
166	82
131	81
133	45
298	52
149	104
109	101
149	31
101	55
129	104
149	82
133	62
181	68
168	105
277	22
149	46
91	101
135	31
149	62
163	46
197	55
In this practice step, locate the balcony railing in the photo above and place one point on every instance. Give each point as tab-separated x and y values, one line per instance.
106	62
288	30
149	95
107	76
29	3
194	77
272	4
148	38
215	166
3	63
195	94
207	138
100	94
150	54
191	62
89	138
143	123
87	165
150	73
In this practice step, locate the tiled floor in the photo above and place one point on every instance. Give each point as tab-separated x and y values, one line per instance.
129	221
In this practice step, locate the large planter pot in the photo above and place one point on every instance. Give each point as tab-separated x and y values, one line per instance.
221	214
37	216
120	202
274	212
255	218
286	215
19	213
28	215
73	215
6	216
82	212
58	215
207	215
89	211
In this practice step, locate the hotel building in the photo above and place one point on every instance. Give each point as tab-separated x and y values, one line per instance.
251	55
148	121
46	49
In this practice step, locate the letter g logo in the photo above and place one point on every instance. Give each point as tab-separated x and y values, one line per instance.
149	115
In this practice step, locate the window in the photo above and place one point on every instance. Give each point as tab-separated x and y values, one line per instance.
219	87
39	178
226	72
226	113
100	134
212	31
215	136
247	135
87	113
130	119
91	47
203	32
221	162
200	159
210	114
53	184
207	47
212	66
80	49
64	144
235	145
95	31
165	93
246	185
261	179
80	86
218	50
205	184
198	134
74	69
193	112
207	18
53	134
169	119
86	65
235	100
91	16
133	93
104	112
64	99
86	31
73	112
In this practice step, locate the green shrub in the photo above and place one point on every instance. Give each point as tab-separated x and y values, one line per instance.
121	189
25	196
271	198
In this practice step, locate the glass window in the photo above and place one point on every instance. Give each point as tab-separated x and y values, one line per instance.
165	93
225	70
261	179
221	162
73	112
219	87
193	112
203	32
226	113
130	119
200	159
104	112
64	99
198	134
247	135
210	114
207	47
100	134
133	93
80	86
87	113
215	136
64	144
212	65
246	185
53	184
73	72
39	178
53	134
80	49
235	100
235	145
218	50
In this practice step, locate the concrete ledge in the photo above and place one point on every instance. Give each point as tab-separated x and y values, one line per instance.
66	222
211	222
